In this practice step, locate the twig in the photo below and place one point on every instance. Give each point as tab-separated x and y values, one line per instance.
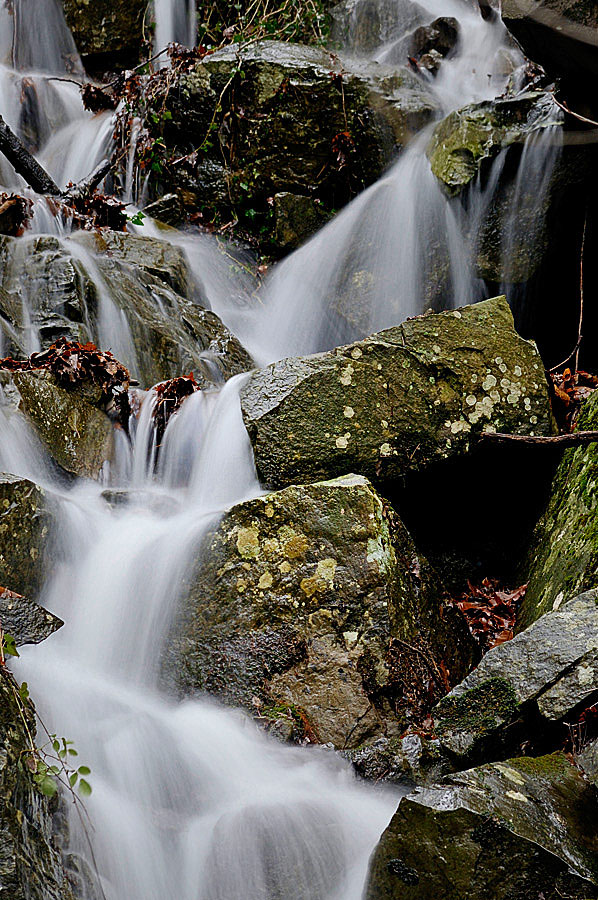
575	439
86	186
568	358
24	163
575	115
583	246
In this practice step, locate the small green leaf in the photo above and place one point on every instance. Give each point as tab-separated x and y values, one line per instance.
9	646
84	788
73	779
48	787
84	770
72	752
56	746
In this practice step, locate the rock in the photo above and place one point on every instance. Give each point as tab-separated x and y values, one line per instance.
525	828
297	217
397	400
25	518
312	124
26	621
410	759
78	434
560	35
108	33
469	138
563	560
30	865
68	283
362	26
167	209
544	675
588	761
311	605
441	37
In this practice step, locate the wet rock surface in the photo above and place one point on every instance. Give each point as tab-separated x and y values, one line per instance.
25	519
543	676
410	759
30	866
398	400
107	32
524	828
308	602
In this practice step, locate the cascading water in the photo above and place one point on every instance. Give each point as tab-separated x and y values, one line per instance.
190	800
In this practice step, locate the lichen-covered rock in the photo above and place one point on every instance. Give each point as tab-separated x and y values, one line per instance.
525	828
296	218
30	866
311	124
107	32
542	676
24	620
588	761
563	560
78	434
470	137
398	400
561	35
25	519
313	601
69	286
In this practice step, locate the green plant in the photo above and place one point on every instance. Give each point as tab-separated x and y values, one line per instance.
303	21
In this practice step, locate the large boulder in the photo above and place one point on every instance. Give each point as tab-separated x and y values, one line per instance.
31	867
563	560
72	288
546	675
71	423
397	401
276	118
561	35
313	600
525	828
25	519
108	33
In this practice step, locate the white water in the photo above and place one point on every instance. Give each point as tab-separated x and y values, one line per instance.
191	801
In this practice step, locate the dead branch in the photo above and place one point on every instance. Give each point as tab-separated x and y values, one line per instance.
86	186
575	439
24	163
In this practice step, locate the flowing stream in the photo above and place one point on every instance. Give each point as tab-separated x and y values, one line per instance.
191	801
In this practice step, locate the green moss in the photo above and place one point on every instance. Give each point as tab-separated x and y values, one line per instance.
551	766
479	709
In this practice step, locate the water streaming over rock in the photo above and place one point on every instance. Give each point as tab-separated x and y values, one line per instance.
191	801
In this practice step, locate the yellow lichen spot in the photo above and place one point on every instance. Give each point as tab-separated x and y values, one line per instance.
489	382
248	542
457	314
326	569
34	553
321	580
294	545
241	585
284	568
265	581
356	353
384	423
342	442
471	400
385	450
517	371
348	412
269	510
271	547
516	795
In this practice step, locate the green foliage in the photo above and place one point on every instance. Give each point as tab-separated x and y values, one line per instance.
300	21
9	647
54	763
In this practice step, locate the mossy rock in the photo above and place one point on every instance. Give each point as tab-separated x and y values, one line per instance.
25	535
472	136
525	828
76	431
563	559
398	400
525	686
31	868
296	602
107	32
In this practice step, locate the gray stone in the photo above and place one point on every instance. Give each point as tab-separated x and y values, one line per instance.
525	828
398	400
107	32
550	668
25	520
24	620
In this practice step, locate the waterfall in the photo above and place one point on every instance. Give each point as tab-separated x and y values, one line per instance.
191	801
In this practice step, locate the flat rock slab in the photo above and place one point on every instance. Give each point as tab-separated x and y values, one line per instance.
526	828
398	400
551	668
